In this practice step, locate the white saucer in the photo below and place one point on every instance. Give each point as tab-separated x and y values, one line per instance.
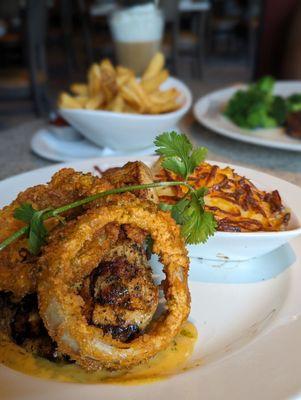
49	146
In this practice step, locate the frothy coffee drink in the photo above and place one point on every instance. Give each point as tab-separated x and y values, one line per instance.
137	34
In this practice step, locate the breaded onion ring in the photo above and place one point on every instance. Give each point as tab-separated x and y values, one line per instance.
17	265
69	258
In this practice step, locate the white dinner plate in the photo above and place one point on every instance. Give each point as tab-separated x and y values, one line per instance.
208	111
247	315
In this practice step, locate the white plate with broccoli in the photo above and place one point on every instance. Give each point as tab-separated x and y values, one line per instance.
265	113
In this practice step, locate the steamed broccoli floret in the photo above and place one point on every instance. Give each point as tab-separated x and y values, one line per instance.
251	108
265	84
294	102
279	110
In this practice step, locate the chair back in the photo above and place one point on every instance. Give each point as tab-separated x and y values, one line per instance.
170	9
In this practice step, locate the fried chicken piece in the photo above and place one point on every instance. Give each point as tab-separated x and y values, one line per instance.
237	204
17	265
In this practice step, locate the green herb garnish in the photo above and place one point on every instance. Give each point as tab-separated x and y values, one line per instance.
179	157
178	153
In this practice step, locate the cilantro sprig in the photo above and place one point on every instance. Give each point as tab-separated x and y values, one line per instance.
178	153
178	156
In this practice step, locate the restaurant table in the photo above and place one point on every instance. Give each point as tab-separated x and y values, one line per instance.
16	156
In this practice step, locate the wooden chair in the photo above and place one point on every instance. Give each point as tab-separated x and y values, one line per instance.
32	81
170	10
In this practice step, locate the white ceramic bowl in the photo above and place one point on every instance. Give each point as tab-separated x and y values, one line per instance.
239	246
125	132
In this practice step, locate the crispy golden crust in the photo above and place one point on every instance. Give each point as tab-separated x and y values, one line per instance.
132	173
68	259
235	202
17	265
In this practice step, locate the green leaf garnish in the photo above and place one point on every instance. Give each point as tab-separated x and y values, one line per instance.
37	232
196	223
178	154
178	211
24	213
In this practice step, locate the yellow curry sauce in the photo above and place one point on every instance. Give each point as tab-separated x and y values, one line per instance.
164	364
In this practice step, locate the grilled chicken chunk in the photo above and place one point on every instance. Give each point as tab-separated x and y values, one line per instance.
120	295
21	321
132	173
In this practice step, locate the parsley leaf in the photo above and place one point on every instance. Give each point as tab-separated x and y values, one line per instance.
165	206
196	223
178	211
199	224
180	158
37	231
25	212
178	153
175	165
197	157
172	144
199	227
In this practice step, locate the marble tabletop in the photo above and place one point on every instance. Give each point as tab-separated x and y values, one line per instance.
16	155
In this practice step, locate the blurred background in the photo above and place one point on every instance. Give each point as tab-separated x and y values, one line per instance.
46	45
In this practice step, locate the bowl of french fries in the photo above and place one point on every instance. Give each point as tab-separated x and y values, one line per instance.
116	109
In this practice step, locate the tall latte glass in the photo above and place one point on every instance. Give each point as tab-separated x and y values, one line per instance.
137	34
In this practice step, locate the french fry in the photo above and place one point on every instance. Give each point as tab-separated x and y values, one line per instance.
134	94
121	71
80	89
152	84
160	97
67	101
128	109
82	100
164	108
117	89
154	67
95	102
94	83
123	75
108	80
117	104
129	96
